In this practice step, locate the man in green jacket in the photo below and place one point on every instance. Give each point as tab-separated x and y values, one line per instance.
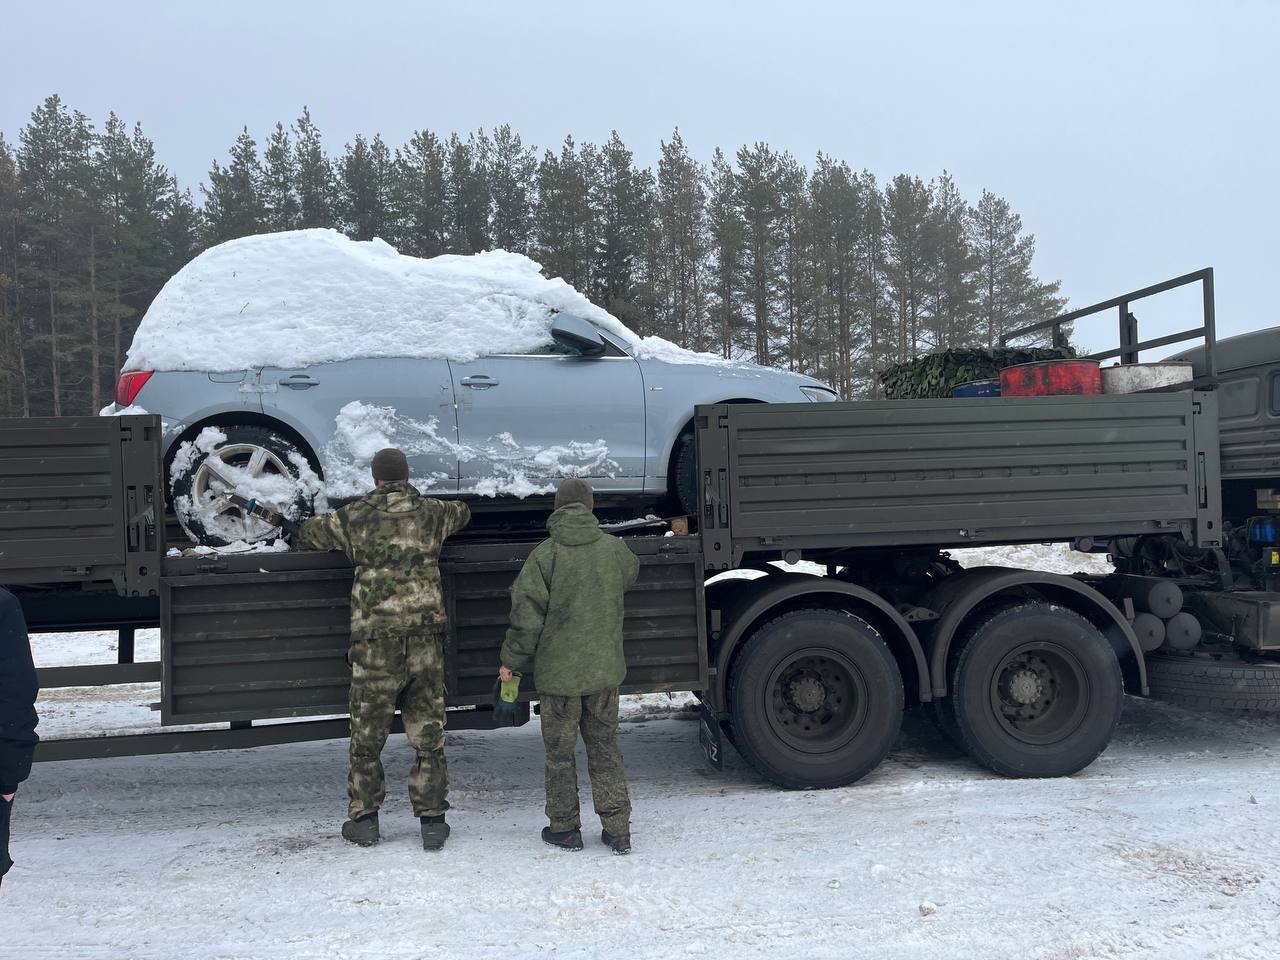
392	537
566	623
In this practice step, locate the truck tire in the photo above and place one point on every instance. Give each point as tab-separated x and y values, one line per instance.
815	699
1231	685
1036	691
255	450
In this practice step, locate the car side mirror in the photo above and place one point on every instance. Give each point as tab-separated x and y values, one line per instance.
579	334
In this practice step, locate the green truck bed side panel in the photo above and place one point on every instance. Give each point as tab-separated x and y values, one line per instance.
782	477
265	635
78	502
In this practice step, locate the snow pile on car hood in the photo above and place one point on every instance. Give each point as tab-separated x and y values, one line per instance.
306	296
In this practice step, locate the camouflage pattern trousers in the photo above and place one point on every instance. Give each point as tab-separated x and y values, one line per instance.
596	718
405	672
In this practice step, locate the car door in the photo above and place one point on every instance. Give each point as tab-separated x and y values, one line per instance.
349	409
525	421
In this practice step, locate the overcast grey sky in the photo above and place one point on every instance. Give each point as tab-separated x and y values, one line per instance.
1137	140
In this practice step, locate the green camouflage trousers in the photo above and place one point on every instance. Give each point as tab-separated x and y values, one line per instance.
407	672
596	717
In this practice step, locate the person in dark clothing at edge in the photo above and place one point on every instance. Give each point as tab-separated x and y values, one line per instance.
566	623
18	689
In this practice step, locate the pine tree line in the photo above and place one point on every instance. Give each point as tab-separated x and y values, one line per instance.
822	270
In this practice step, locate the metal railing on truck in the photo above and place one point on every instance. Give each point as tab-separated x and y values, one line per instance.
1130	344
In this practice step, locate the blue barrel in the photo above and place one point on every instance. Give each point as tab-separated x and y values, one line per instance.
977	388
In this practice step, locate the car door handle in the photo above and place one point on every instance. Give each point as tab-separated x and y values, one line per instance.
299	381
479	382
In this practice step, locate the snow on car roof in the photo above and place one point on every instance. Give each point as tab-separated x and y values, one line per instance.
300	297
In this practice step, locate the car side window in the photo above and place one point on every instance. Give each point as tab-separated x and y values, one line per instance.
1275	394
556	349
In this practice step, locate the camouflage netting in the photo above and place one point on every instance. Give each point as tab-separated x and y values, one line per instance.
935	375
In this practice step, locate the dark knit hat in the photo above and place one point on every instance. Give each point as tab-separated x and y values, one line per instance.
389	465
575	490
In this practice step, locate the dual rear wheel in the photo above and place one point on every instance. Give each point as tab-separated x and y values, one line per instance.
816	695
1034	690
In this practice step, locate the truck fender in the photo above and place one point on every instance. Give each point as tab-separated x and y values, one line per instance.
754	599
960	594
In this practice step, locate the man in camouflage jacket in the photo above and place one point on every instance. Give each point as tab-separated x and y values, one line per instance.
566	623
393	538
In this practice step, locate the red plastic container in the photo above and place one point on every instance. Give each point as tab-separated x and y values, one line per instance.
1052	378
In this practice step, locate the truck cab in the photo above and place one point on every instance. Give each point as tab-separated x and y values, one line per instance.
1248	374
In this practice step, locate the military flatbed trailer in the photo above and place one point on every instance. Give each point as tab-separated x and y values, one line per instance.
806	673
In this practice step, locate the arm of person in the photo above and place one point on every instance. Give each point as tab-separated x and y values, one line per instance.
17	744
630	566
529	598
324	532
457	516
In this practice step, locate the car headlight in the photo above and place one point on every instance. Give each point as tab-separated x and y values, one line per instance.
820	394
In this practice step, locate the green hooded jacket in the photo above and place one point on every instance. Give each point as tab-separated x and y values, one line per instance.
393	537
567	607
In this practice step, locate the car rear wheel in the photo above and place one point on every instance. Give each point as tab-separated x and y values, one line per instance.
685	475
254	462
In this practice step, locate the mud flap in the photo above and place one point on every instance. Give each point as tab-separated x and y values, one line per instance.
709	737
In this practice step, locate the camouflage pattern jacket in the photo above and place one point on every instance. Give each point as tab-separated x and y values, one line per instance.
393	537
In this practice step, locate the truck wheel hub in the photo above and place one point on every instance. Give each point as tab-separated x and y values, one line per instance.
807	694
1024	687
1040	693
817	700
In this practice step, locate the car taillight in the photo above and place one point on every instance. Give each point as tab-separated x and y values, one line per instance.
129	385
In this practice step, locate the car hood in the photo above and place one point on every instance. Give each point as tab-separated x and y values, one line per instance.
741	371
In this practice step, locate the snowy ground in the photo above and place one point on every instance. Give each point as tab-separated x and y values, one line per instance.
1166	847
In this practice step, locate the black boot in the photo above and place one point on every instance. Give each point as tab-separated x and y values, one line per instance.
363	832
434	832
620	846
564	839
